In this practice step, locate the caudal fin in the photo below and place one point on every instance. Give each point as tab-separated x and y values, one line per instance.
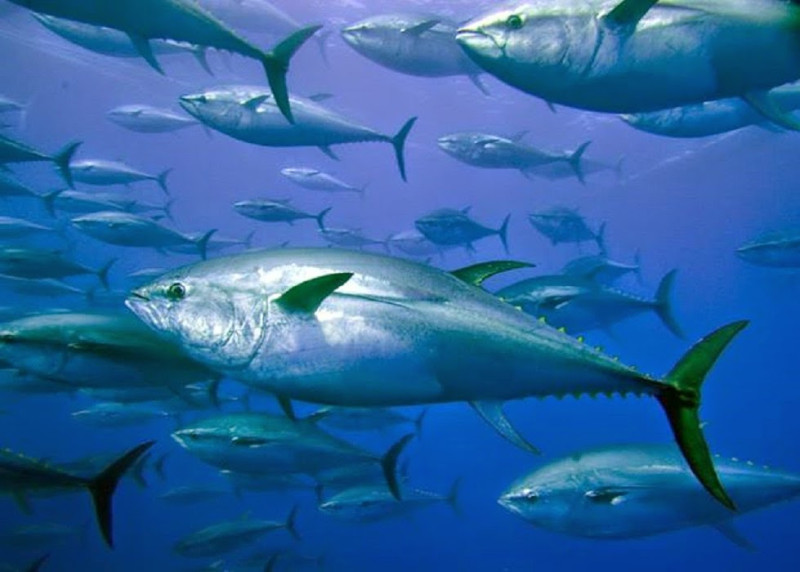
399	142
663	305
162	180
575	161
680	399
276	64
102	273
321	218
502	232
49	201
202	243
389	464
290	523
600	239
62	160
102	488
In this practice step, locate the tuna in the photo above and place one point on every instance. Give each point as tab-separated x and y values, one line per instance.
414	44
250	114
277	211
601	269
360	329
778	249
13	228
103	173
634	491
495	152
316	180
450	227
633	56
126	229
181	21
39	263
20	475
564	225
149	119
349	238
581	304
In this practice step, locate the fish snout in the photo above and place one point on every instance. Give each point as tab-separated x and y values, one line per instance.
476	42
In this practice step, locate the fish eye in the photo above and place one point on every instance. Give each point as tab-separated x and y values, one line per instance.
176	291
514	22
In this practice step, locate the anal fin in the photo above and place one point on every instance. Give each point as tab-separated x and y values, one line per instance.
729	531
145	50
492	413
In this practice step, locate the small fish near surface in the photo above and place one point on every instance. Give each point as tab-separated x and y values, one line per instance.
114	43
580	304
360	329
633	56
777	249
149	119
12	151
635	491
267	210
182	21
451	227
103	173
126	229
250	114
316	180
564	225
414	44
224	537
21	475
495	152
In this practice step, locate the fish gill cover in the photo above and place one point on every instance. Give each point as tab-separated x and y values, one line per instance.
414	219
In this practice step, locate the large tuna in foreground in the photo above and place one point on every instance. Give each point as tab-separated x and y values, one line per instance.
349	328
632	56
639	490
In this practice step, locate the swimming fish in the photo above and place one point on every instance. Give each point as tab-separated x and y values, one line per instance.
12	151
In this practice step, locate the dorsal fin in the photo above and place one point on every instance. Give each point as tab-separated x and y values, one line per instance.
476	274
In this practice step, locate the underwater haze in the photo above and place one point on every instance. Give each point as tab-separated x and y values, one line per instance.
654	202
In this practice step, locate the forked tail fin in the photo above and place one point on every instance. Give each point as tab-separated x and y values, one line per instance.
276	64
399	143
664	304
680	399
62	160
102	488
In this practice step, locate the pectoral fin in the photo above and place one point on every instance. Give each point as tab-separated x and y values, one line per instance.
611	496
476	274
766	106
253	103
307	296
729	531
492	413
145	50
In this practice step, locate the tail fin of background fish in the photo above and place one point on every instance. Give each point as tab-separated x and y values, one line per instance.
276	64
322	44
49	201
167	209
247	241
453	497
137	471
202	243
680	399
399	142
102	488
161	179
575	161
290	523
389	464
102	273
664	304
62	160
321	217
600	239
418	422
502	232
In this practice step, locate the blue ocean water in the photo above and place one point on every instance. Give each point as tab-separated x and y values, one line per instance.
683	204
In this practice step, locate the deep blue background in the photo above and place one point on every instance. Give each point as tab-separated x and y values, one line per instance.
681	204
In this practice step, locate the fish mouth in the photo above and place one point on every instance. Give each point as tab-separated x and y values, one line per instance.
508	502
476	42
188	104
350	35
